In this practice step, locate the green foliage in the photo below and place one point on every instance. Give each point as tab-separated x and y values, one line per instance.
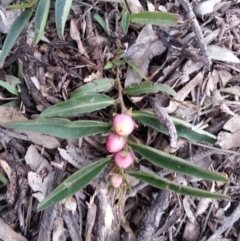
62	8
87	99
156	18
184	129
3	179
78	105
9	87
163	183
125	21
174	163
101	21
62	128
15	31
148	88
96	86
41	19
74	183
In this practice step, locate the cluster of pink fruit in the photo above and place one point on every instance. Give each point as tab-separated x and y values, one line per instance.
123	125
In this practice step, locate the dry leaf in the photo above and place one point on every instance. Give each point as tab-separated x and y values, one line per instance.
183	93
188	210
93	76
228	140
146	47
70	204
39	185
202	206
205	7
235	90
59	230
218	53
134	6
36	161
233	125
218	100
77	157
225	76
6	168
75	35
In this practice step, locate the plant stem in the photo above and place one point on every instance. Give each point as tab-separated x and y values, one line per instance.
120	96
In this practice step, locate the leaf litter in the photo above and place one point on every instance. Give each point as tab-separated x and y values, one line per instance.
207	94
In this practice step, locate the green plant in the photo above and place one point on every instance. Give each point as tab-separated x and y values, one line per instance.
93	101
41	8
88	98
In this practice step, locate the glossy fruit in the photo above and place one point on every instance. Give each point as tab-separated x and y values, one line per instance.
123	124
116	180
123	159
115	143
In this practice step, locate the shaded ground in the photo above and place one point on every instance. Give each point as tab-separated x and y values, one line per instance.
207	86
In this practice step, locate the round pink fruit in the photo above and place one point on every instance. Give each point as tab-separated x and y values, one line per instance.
123	124
116	180
123	159
115	143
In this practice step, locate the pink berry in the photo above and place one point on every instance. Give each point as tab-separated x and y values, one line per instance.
123	124
115	143
123	159
116	180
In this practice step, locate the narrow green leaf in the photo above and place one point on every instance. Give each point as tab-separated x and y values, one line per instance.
100	20
125	21
12	104
14	32
174	163
78	105
19	6
41	19
99	85
3	179
75	182
61	127
9	87
156	18
108	65
163	183
148	88
62	8
20	71
184	129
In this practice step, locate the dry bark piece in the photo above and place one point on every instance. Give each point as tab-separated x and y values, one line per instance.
8	234
50	214
165	120
227	223
91	216
72	225
153	216
191	231
58	230
188	210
